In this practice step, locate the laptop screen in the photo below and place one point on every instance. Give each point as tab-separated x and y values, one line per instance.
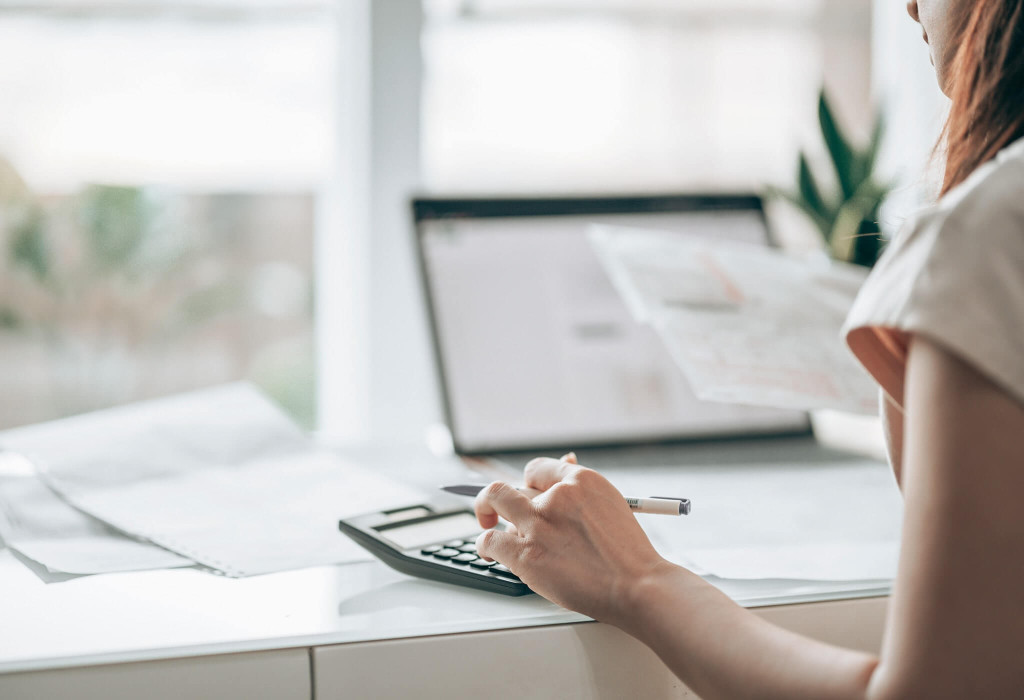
534	346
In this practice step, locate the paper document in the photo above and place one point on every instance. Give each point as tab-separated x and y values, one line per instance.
745	323
219	476
813	520
35	522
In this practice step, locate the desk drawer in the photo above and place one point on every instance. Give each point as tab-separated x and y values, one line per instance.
586	660
269	675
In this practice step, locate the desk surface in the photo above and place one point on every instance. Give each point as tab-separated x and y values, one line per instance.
176	613
165	614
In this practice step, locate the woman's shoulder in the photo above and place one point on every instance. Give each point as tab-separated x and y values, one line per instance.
990	203
980	219
975	234
956	275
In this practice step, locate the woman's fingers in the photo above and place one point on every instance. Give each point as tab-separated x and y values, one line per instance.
543	473
499	546
499	498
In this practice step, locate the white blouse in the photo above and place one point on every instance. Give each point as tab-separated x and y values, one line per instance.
955	274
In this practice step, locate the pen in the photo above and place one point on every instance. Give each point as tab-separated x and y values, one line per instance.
655	505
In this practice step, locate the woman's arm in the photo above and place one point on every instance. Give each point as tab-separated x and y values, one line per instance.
892	424
956	621
956	627
579	545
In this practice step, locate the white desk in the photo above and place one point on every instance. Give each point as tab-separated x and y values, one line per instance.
354	631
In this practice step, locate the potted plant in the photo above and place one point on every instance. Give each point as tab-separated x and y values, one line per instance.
845	214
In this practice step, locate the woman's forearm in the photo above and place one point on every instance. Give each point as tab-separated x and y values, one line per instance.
581	523
721	650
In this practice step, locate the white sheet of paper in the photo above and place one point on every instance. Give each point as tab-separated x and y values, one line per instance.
823	521
220	476
745	323
37	523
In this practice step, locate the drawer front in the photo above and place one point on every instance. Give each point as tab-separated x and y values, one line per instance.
270	675
856	624
587	660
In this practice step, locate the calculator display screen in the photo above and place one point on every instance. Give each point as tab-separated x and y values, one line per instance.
432	531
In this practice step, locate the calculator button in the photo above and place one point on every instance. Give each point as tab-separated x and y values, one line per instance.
468	547
446	553
482	564
431	549
454	543
503	570
465	558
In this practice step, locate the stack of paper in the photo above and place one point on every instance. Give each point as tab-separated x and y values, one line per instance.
745	323
38	524
220	478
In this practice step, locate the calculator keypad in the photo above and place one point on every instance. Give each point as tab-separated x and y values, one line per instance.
463	552
503	570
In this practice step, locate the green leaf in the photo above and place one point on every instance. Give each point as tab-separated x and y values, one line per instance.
872	194
842	216
860	209
845	229
9	319
868	246
809	189
210	302
875	144
864	159
822	223
28	246
115	221
838	147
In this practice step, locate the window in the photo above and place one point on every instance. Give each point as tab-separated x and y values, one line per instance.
190	144
633	95
160	168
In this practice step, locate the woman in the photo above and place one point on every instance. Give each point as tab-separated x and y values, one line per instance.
940	325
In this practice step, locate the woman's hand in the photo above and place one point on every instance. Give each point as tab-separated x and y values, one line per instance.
577	543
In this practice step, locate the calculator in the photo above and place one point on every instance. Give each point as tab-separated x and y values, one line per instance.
432	541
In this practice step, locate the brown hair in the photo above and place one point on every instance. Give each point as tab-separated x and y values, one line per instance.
986	88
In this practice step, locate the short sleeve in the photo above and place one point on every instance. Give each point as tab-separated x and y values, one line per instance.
955	275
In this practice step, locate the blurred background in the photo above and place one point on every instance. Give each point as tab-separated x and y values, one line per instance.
193	192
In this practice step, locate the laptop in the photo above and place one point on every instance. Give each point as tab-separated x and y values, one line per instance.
537	354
